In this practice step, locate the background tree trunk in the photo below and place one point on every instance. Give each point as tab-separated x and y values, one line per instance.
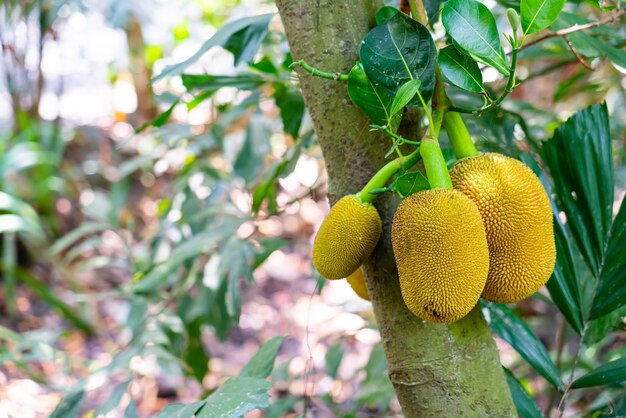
437	370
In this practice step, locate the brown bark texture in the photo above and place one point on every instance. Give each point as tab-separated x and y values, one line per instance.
437	370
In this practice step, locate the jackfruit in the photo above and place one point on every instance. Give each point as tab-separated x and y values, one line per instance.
346	238
440	248
517	216
357	282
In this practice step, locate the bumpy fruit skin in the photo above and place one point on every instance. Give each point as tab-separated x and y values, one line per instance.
346	238
357	282
441	251
518	220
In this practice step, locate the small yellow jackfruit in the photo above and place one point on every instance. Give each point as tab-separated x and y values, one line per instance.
346	238
357	282
441	251
517	215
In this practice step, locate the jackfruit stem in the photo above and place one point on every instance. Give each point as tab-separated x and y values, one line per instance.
382	176
435	165
462	144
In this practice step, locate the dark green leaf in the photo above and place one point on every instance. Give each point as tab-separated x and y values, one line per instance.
265	65
195	355
432	9
374	101
460	70
539	14
385	13
580	162
131	410
603	327
399	51
241	29
473	28
256	145
262	363
266	248
236	397
160	120
564	284
334	355
506	324
607	374
214	82
403	96
611	293
525	405
245	43
68	407
178	410
291	105
409	183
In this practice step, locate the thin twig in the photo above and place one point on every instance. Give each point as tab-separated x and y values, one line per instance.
576	28
578	56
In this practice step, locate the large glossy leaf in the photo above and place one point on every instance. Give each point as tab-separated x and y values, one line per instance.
508	326
473	28
564	284
580	162
539	14
374	101
460	70
611	293
524	403
262	363
236	397
245	33
179	410
607	374
398	51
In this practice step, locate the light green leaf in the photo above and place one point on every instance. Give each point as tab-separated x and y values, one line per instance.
404	95
539	14
236	397
262	363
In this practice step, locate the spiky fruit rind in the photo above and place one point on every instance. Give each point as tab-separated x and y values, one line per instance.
346	238
441	251
357	281
517	215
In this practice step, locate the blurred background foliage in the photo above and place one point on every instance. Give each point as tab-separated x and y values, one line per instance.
160	183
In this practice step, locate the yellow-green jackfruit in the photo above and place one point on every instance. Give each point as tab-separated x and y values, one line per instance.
346	238
441	251
357	282
517	216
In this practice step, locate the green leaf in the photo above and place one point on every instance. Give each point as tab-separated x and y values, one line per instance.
241	30
178	410
506	324
580	162
262	363
68	407
460	70
374	101
291	105
385	13
404	95
245	43
409	183
607	374
539	14
160	120
245	81
611	293
432	9
399	51
195	355
114	399
131	410
334	355
256	146
236	397
525	405
564	285
473	28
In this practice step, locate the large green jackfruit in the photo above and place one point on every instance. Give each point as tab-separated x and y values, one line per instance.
440	248
346	238
517	215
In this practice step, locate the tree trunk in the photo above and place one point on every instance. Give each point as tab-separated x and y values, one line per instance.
437	370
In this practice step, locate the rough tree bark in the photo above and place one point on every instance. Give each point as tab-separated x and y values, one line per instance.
437	370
